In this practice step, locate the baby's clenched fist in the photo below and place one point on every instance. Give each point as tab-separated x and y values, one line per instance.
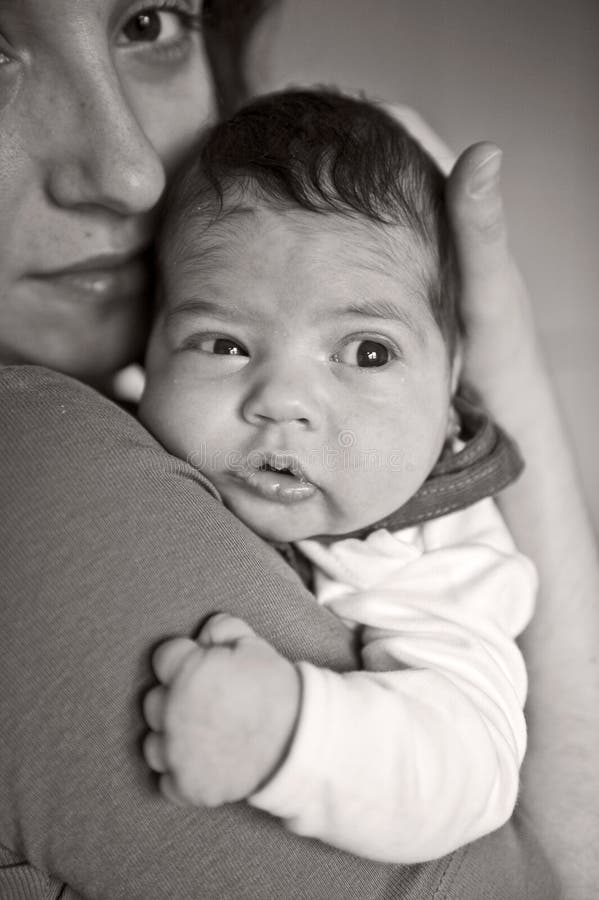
223	715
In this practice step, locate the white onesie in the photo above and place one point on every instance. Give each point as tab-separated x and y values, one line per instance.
420	752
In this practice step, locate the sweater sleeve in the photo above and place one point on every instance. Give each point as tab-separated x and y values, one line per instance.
109	545
421	753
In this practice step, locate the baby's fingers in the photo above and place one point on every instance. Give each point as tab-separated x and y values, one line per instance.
154	752
170	656
221	628
153	707
169	789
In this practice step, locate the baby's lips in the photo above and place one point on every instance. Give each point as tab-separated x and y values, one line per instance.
277	461
277	476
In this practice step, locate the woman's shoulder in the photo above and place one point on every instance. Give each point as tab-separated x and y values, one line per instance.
62	443
40	405
25	377
25	387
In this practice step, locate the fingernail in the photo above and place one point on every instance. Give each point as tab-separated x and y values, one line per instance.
486	175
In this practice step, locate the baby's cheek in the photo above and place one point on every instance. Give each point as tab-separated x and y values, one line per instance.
383	481
163	411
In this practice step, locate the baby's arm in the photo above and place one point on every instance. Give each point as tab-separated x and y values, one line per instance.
407	765
399	765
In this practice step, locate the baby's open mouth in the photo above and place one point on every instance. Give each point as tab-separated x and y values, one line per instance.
270	467
277	477
278	463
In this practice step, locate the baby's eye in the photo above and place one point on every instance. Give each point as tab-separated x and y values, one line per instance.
215	344
366	354
225	347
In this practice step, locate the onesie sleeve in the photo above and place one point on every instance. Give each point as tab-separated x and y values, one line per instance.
419	754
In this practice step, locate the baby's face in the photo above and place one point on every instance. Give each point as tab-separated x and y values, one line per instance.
297	364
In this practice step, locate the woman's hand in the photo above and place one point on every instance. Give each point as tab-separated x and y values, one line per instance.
545	510
500	342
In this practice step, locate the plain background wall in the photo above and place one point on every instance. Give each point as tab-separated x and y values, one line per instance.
523	73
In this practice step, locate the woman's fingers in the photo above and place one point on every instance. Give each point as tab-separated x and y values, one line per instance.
476	211
493	299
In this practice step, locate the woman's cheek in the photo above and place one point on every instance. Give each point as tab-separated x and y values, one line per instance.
172	113
9	83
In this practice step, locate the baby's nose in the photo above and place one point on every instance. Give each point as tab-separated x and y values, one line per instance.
282	397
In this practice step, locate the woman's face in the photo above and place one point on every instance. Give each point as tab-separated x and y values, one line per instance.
97	99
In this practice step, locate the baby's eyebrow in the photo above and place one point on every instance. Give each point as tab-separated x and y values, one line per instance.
199	307
385	309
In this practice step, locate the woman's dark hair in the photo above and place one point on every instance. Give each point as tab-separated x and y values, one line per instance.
325	152
227	26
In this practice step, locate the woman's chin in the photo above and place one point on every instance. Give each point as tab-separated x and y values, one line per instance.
99	369
41	325
93	356
95	364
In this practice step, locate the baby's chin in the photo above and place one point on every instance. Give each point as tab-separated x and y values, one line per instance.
296	518
279	530
281	524
283	534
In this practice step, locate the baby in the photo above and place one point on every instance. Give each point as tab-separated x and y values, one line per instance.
305	358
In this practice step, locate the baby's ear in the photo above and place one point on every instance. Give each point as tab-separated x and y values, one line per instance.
456	365
453	419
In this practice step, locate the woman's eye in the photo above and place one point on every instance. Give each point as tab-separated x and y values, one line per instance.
5	59
9	69
145	26
366	354
156	26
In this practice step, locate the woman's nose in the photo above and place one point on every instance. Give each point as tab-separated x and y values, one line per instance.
102	157
282	396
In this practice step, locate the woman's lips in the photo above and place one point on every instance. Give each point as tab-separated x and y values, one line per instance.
100	281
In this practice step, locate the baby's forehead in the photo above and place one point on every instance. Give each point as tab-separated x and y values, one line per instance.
295	268
214	237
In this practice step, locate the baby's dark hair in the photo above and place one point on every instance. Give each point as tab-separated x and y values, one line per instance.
328	153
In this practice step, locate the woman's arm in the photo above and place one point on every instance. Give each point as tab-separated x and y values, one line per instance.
546	512
107	546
